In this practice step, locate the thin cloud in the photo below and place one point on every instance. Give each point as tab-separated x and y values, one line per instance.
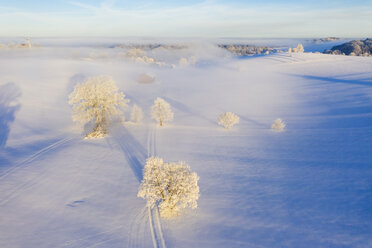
200	19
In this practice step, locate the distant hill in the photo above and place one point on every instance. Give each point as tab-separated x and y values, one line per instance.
322	40
247	50
353	48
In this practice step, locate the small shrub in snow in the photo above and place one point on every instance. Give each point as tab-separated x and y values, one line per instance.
137	114
170	185
183	62
228	119
96	102
192	60
161	111
278	125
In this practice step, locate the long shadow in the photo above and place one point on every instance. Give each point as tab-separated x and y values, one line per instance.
74	80
336	80
184	108
358	74
134	152
257	123
351	103
9	95
246	57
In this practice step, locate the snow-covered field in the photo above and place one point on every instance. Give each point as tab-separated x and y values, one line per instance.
309	186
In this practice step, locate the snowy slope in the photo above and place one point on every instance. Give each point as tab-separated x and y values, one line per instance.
309	186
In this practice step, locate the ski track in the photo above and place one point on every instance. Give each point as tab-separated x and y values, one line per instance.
36	179
151	222
154	217
138	223
73	242
160	230
35	156
153	214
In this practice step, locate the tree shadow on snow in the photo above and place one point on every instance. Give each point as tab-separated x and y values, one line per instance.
184	108
365	82
345	99
29	151
9	105
74	80
254	122
134	152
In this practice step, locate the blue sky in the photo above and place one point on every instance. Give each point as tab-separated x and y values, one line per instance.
180	18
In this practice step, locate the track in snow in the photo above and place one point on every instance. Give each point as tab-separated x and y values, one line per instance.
154	218
28	184
137	226
75	242
35	156
136	156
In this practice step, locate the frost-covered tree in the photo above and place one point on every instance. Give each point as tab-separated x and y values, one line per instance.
137	114
148	60
278	125
298	49
96	102
228	119
28	43
161	111
139	60
170	185
135	52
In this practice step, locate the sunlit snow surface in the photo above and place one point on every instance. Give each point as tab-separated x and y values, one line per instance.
308	186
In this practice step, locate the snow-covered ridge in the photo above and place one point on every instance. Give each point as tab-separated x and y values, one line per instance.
353	48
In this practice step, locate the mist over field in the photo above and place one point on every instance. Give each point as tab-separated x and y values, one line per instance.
183	124
303	181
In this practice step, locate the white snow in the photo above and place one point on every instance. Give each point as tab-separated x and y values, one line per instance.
309	186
